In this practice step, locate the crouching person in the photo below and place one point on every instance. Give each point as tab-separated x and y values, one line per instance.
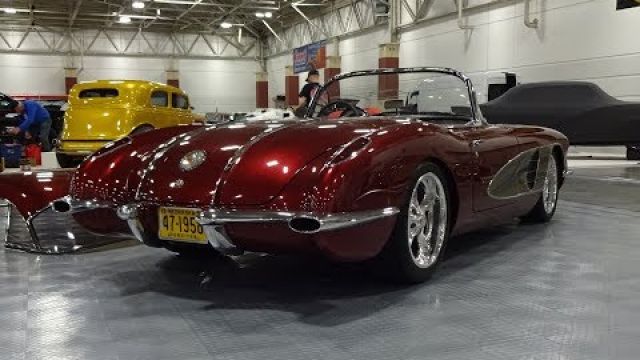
36	122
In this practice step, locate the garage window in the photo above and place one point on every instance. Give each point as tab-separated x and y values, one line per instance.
98	93
160	98
179	101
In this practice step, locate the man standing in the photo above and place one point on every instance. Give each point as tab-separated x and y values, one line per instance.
307	92
36	122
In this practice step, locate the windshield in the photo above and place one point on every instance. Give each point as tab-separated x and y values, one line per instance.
428	94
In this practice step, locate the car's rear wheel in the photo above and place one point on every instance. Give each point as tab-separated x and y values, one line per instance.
421	232
633	152
546	206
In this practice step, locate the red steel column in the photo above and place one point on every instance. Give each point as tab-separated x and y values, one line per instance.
291	86
388	85
332	69
173	78
70	78
262	90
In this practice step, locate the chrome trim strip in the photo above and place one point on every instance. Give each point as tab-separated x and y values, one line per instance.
8	206
327	222
78	153
136	229
219	240
511	174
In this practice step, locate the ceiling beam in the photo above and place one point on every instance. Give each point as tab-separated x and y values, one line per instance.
74	13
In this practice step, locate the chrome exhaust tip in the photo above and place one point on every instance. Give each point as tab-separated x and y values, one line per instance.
61	205
305	225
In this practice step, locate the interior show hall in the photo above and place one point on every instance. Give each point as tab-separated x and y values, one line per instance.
369	179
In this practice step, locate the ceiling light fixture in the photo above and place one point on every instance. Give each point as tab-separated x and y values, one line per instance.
260	15
137	5
226	25
268	14
10	10
124	20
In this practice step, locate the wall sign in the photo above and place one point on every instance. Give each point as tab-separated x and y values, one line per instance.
627	4
312	56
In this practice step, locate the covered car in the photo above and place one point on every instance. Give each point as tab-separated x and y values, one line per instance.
582	111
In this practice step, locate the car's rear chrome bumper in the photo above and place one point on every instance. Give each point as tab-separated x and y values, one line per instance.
213	220
301	222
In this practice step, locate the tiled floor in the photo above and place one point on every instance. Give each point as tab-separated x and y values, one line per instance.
567	290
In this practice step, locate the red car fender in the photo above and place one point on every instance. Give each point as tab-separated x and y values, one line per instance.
109	174
31	192
379	175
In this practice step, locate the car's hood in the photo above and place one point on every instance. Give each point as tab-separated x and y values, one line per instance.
246	164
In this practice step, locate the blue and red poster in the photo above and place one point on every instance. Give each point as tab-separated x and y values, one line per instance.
312	56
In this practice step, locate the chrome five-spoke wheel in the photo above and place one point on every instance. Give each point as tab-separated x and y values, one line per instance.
421	231
545	208
427	220
550	188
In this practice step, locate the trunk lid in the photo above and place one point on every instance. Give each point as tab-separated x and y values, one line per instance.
263	158
103	120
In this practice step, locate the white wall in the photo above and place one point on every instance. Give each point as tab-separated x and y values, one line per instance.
224	85
276	75
26	75
576	40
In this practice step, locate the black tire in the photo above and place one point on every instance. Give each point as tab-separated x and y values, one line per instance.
68	161
541	213
633	152
53	137
397	257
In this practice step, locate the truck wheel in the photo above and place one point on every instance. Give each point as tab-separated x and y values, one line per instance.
68	161
633	152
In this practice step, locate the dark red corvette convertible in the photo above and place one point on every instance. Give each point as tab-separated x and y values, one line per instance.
394	186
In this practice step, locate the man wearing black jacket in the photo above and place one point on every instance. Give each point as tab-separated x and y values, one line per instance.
307	93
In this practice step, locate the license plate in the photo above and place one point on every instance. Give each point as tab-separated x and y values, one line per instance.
179	224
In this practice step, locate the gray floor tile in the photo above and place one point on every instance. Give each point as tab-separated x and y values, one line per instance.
562	291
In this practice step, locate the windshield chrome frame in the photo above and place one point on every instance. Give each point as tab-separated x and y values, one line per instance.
476	115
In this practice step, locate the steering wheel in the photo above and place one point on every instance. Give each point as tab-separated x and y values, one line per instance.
347	109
